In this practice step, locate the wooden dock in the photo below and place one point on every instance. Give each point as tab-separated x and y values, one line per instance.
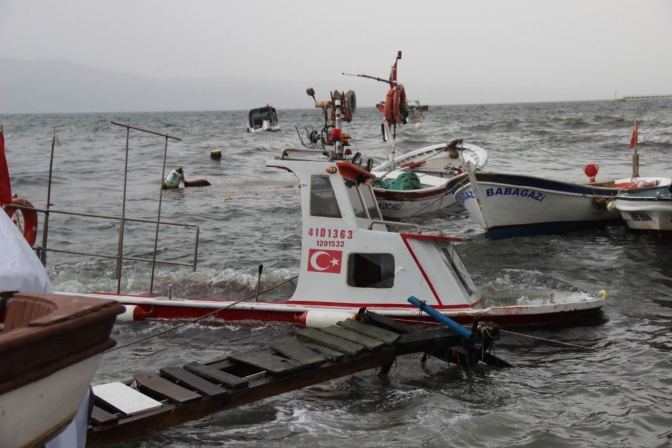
154	401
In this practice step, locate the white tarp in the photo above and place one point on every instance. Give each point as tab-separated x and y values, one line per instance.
20	269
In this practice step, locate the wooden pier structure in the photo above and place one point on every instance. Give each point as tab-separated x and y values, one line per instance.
643	97
154	401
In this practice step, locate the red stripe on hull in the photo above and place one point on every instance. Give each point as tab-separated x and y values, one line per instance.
504	320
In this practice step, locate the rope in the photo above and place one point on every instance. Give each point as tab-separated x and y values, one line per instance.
550	340
505	331
200	318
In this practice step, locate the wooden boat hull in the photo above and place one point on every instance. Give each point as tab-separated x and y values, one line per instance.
50	348
35	411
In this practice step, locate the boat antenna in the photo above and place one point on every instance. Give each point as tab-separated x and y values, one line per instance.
392	80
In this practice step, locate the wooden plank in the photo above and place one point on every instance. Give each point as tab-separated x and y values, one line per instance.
331	355
216	376
267	360
165	388
293	349
371	331
222	365
386	323
126	400
330	341
369	343
101	417
132	427
192	381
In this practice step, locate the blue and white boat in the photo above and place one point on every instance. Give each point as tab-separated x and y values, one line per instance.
508	205
648	209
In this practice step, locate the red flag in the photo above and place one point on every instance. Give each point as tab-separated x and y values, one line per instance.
327	261
5	185
633	139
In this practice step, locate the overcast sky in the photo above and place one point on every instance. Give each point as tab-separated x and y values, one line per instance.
470	51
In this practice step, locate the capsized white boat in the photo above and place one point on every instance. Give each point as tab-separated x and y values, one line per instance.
507	205
263	119
647	209
349	259
439	170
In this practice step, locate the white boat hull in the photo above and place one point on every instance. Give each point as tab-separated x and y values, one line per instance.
514	205
646	211
34	411
438	174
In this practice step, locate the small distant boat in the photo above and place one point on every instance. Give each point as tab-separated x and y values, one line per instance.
415	105
414	108
617	99
263	119
647	209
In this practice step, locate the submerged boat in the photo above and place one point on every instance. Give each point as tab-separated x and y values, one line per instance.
647	209
263	119
439	170
350	260
508	205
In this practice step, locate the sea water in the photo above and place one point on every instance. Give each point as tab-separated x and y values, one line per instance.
616	391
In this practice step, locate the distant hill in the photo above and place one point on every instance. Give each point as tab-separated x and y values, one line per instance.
58	86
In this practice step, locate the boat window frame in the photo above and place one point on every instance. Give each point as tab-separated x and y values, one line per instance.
349	184
447	255
386	274
313	207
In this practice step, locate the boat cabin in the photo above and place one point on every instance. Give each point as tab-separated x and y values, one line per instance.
348	256
263	119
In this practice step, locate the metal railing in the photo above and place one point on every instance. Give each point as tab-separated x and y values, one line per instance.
119	256
418	228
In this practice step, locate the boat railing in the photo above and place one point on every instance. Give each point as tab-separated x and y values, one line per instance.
43	248
324	152
418	228
119	256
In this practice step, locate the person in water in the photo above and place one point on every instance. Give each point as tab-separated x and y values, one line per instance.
174	179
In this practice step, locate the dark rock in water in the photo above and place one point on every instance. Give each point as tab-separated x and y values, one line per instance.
215	154
196	183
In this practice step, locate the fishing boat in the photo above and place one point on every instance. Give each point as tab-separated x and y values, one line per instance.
648	209
439	170
50	347
507	205
421	181
263	119
350	260
415	105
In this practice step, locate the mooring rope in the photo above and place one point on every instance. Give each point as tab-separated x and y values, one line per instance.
550	340
202	317
502	331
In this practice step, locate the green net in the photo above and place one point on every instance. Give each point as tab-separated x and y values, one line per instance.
405	181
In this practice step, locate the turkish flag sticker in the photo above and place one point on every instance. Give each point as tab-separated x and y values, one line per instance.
327	261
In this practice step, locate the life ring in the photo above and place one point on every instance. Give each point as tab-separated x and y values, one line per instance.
395	105
29	219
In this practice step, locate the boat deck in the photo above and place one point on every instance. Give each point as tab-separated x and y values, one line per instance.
174	395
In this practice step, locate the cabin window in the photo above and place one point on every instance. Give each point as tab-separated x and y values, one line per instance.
449	260
371	270
355	199
322	198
